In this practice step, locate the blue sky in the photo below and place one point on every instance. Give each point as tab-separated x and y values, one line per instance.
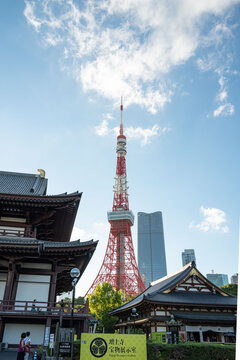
64	67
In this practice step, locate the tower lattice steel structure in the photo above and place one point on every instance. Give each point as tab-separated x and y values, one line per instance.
119	266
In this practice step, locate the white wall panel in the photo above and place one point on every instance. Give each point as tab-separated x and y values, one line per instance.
161	328
32	287
197	328
12	333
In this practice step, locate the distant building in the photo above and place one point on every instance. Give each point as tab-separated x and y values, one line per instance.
234	279
151	247
188	255
218	279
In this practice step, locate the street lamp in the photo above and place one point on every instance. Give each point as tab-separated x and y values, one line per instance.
134	314
75	273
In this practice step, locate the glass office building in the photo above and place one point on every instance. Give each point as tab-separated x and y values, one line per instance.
188	255
151	247
218	279
234	279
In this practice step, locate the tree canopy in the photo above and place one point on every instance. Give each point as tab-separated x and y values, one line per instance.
230	288
104	299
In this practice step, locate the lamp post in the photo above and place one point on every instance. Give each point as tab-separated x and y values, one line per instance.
75	273
134	314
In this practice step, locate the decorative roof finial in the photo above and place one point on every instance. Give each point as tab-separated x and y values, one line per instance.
42	173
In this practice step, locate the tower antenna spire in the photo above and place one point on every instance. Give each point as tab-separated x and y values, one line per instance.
121	111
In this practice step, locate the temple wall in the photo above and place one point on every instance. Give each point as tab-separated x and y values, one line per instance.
12	333
225	329
3	279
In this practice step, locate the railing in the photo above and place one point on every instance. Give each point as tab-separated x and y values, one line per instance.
24	232
41	308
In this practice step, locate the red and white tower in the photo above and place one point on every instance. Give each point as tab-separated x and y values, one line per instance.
119	266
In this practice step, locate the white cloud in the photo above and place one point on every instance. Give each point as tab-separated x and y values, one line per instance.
222	95
127	47
213	220
102	129
29	14
98	231
224	110
77	233
142	134
145	134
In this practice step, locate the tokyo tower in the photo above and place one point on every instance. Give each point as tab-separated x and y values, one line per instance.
119	266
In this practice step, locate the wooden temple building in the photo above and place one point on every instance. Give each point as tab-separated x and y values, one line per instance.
185	303
36	257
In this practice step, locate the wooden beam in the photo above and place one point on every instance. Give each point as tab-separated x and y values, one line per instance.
45	216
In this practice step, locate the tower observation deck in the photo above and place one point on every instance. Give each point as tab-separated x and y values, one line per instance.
119	266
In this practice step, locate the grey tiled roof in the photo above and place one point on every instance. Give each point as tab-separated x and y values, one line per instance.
155	293
158	286
192	315
14	240
22	184
193	298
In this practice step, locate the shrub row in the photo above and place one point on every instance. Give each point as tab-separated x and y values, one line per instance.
187	351
191	351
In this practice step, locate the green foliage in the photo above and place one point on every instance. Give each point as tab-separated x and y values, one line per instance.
103	300
230	288
136	331
79	300
187	351
190	351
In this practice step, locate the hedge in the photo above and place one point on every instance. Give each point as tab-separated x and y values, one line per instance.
187	351
190	351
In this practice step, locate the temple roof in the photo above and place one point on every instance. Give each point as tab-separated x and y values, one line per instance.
22	243
53	216
22	184
65	255
166	290
215	317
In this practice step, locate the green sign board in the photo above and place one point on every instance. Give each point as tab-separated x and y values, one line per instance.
159	337
113	346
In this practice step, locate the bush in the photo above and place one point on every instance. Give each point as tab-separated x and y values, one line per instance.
187	351
190	351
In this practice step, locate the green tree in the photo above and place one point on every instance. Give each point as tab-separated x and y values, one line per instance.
79	300
230	288
103	300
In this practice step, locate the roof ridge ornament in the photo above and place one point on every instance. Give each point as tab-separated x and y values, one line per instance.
42	173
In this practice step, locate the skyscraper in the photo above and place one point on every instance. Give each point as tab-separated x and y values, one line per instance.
218	279
188	255
234	279
151	247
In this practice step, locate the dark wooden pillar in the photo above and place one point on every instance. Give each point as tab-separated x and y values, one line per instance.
9	282
85	321
49	321
15	285
53	283
1	329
